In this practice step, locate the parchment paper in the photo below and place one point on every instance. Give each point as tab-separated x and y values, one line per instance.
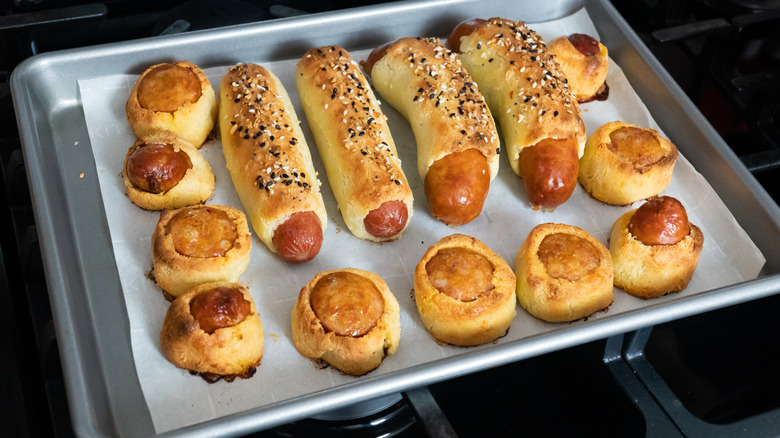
176	399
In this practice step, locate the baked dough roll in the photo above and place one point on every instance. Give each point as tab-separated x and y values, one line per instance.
563	273
465	293
355	144
214	330
163	171
624	163
654	248
270	163
529	96
585	62
457	143
196	245
348	318
173	97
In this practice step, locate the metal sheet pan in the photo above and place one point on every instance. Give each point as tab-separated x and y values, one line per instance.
88	306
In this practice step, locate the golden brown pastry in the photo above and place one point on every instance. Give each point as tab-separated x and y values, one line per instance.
457	143
163	171
348	318
624	163
214	330
528	94
585	62
465	293
173	97
270	163
563	273
196	245
355	144
654	248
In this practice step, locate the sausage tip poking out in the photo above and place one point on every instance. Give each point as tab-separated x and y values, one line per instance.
549	170
299	238
387	220
456	186
463	29
662	220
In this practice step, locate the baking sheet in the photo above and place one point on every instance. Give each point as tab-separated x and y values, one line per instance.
729	256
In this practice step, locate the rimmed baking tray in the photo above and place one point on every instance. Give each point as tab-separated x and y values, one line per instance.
89	310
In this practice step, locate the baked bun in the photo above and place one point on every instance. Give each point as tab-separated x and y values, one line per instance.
348	318
214	330
457	143
196	245
654	248
529	97
270	163
163	171
563	273
585	62
465	293
623	163
355	144
173	97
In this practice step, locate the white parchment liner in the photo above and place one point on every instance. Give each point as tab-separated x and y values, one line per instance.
176	399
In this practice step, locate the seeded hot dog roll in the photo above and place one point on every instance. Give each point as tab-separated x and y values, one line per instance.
214	330
270	163
348	318
457	143
528	94
563	273
162	171
355	144
655	249
175	97
465	293
197	245
585	62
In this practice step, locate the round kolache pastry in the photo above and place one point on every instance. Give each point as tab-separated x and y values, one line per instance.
624	163
465	293
347	318
196	245
175	97
163	171
563	273
655	249
585	62
214	330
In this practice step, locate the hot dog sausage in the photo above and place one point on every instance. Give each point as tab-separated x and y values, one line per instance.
457	185
549	171
299	238
661	220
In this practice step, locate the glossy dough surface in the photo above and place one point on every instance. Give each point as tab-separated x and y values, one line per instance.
426	83
192	121
650	271
177	273
477	319
351	355
630	173
194	188
265	151
352	136
227	351
544	290
586	74
523	84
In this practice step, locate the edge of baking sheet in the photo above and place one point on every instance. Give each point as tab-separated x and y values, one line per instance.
92	327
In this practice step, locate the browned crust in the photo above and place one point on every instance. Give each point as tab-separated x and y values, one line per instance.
194	188
651	271
193	121
523	84
352	135
612	179
555	299
426	82
265	150
585	74
176	273
228	351
471	322
351	355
